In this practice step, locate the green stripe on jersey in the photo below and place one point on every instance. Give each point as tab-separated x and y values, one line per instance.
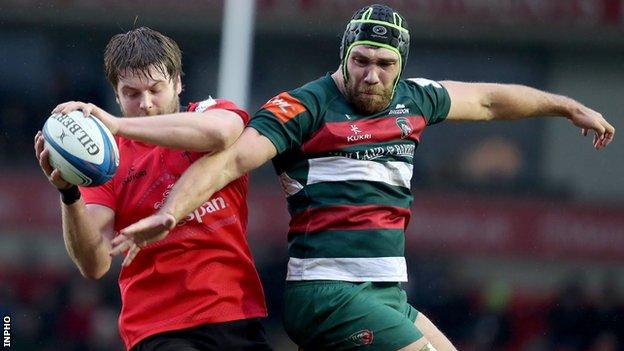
347	243
352	192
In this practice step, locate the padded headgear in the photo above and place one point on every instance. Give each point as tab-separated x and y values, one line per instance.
376	25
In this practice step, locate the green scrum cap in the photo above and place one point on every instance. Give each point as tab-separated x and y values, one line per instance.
376	25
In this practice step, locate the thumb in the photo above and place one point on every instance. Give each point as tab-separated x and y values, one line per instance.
169	221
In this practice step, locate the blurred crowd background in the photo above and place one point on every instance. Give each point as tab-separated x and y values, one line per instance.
517	236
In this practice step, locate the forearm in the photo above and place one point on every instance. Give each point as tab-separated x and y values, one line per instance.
85	244
509	102
211	173
489	101
199	182
185	130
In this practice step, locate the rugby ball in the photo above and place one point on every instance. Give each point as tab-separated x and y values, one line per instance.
81	148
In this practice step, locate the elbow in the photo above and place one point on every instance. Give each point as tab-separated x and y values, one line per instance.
488	107
221	138
490	115
96	271
94	274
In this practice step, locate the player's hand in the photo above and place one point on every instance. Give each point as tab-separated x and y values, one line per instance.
42	154
111	122
138	235
588	119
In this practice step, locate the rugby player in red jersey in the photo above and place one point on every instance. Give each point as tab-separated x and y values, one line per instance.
343	148
197	289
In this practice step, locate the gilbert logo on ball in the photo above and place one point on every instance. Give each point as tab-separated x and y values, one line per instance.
81	148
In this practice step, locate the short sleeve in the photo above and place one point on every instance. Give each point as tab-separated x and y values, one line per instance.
432	98
284	120
100	195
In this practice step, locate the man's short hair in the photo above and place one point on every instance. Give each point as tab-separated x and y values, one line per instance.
137	51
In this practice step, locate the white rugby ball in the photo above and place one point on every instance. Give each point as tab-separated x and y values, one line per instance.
81	148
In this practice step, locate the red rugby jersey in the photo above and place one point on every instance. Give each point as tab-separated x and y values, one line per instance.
203	271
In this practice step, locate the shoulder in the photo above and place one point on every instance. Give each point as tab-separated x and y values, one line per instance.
212	103
419	83
421	89
311	97
218	104
320	92
429	96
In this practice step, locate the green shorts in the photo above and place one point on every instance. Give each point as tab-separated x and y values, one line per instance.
337	315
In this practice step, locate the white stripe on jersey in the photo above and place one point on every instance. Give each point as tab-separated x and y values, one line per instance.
289	185
203	105
369	269
338	169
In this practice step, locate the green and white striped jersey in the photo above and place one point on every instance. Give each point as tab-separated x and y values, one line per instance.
347	176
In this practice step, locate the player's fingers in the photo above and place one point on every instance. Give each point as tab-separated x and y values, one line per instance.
134	250
605	140
95	111
38	144
600	129
55	175
87	109
145	225
609	137
37	135
120	247
69	107
121	242
169	221
119	239
73	106
584	131
60	107
44	163
609	129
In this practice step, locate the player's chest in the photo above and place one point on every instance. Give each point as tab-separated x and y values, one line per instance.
343	130
146	175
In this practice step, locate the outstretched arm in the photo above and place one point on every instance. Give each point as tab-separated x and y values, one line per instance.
487	101
210	131
198	183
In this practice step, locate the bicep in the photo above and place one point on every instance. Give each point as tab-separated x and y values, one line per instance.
469	101
103	219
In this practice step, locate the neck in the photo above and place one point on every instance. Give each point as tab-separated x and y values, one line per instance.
340	83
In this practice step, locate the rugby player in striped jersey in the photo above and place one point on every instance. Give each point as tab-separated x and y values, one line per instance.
343	147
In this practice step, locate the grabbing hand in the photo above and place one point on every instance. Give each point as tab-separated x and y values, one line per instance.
42	154
136	236
588	119
111	122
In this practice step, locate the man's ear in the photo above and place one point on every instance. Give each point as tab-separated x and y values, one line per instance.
178	84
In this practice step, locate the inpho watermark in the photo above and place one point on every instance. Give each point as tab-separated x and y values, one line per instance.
6	331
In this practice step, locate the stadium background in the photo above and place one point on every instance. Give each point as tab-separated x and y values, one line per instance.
516	240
